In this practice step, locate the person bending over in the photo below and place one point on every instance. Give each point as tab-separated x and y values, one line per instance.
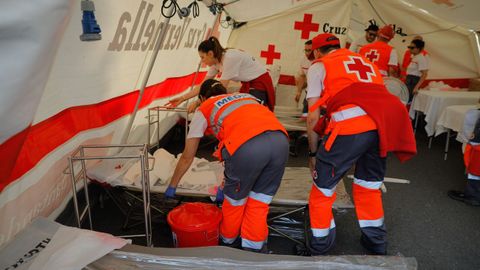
254	146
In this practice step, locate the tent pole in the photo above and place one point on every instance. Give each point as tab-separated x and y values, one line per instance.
475	41
215	21
147	76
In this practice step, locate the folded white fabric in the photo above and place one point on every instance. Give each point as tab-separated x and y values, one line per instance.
133	175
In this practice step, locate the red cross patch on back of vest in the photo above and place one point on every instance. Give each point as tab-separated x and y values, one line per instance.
364	71
372	55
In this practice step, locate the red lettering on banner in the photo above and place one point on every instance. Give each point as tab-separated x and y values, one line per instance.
372	56
306	26
362	70
270	54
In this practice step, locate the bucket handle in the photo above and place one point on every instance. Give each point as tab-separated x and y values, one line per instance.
212	235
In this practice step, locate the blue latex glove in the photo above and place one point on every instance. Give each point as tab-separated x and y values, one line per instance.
219	197
170	192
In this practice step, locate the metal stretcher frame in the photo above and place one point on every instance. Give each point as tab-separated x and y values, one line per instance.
79	156
154	118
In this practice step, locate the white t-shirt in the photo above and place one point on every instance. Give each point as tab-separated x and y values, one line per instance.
358	44
419	62
305	63
393	61
237	66
315	76
197	126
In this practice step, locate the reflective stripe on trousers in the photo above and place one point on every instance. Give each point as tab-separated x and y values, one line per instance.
368	203
320	210
249	218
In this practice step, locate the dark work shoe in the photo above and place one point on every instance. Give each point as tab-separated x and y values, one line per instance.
372	248
460	196
236	244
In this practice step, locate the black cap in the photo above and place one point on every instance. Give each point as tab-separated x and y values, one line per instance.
372	27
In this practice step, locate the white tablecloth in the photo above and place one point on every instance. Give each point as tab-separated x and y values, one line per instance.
432	104
453	118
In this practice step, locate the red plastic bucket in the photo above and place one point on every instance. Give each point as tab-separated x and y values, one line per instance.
195	224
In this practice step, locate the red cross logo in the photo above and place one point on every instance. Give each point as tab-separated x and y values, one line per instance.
270	54
306	26
372	56
363	71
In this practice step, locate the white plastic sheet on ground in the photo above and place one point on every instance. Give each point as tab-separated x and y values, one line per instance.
46	245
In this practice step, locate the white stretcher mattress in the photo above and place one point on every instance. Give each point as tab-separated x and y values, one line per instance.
204	177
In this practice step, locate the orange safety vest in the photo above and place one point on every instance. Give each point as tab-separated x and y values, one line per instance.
236	118
343	68
378	53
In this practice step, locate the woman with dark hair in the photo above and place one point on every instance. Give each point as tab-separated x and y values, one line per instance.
417	70
254	146
234	65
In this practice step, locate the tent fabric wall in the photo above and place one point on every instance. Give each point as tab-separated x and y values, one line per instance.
50	78
452	53
63	92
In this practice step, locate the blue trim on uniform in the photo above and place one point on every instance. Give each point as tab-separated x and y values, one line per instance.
266	199
473	177
327	192
371	223
236	202
252	244
367	184
227	240
323	232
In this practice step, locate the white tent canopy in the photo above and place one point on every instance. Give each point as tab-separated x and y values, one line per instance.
58	92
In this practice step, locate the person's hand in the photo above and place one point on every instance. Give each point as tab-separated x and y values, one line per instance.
170	192
192	106
219	197
297	96
175	102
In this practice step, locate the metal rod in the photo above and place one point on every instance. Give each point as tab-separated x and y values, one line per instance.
285	235
111	145
215	22
74	192
158	129
417	115
148	128
102	157
286	214
156	49
85	188
144	179
447	144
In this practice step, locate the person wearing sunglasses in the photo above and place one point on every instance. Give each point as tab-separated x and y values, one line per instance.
370	35
407	58
381	53
301	78
417	70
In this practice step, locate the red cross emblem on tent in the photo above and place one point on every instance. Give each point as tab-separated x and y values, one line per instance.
372	55
363	71
306	26
270	54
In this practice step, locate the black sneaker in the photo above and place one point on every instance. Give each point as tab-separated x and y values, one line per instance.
372	248
460	196
236	244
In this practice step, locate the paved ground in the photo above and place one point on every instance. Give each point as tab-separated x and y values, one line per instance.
422	222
